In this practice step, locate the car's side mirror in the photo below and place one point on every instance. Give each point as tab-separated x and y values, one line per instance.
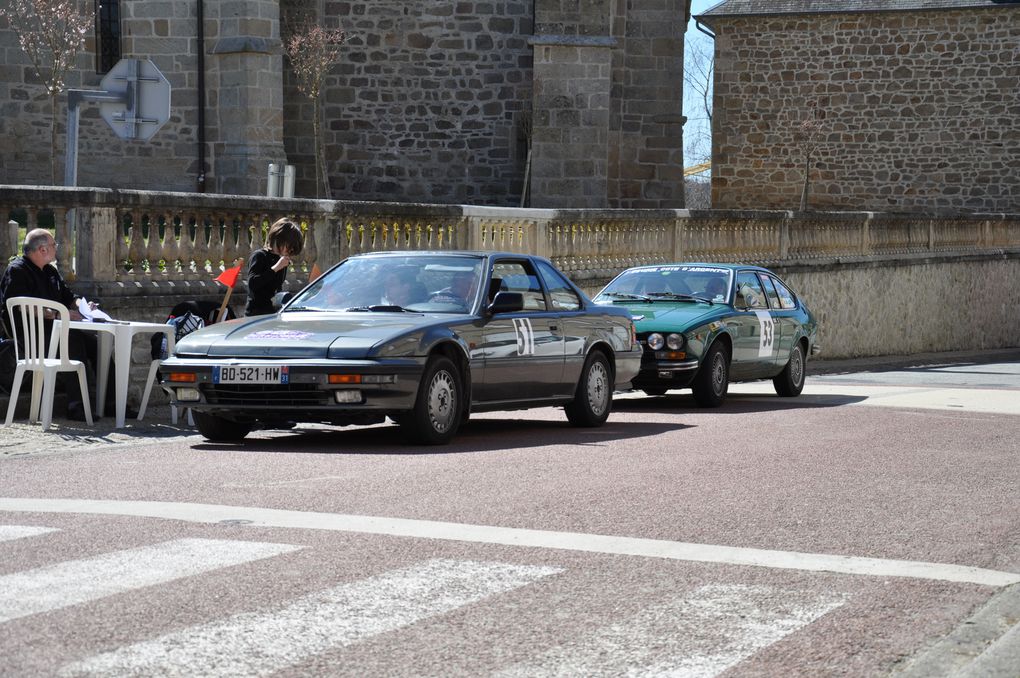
506	302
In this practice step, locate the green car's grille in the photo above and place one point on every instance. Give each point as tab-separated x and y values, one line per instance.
276	395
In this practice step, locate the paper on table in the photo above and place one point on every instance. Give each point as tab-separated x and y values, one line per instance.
90	314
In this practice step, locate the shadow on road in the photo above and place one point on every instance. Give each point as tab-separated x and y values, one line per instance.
736	403
477	435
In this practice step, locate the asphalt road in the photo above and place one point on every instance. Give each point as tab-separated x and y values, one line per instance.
866	528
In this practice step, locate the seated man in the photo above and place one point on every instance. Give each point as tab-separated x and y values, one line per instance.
461	290
401	287
715	289
34	275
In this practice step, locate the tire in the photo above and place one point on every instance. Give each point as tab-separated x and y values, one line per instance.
654	391
790	382
593	398
220	430
713	379
437	412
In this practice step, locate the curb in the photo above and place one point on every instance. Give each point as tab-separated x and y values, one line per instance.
896	362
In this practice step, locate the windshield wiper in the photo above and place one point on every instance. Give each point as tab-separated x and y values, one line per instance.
304	308
377	308
625	295
680	297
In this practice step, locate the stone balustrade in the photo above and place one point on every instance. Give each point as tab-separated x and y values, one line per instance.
142	252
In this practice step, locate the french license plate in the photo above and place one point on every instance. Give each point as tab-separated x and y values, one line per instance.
251	374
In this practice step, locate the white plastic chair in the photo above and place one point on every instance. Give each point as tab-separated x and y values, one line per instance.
31	312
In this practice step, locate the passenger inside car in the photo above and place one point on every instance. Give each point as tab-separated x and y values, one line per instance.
401	287
715	289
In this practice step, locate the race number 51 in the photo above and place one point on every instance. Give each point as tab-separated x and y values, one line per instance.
525	336
767	338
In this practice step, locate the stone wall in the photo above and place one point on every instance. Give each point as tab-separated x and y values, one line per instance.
431	102
426	104
917	110
904	306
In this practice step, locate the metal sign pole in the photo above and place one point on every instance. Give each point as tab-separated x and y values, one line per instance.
71	151
74	99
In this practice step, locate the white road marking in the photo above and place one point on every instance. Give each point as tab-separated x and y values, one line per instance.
258	644
547	539
79	581
11	532
697	636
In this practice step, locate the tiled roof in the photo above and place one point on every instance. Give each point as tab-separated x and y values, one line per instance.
745	7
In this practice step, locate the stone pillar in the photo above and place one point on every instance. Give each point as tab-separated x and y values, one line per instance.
570	129
96	247
245	85
646	154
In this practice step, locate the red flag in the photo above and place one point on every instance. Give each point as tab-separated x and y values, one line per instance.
229	276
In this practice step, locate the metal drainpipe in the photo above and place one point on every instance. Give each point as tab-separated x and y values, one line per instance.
200	11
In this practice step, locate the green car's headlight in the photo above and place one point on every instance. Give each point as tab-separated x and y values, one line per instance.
675	342
655	341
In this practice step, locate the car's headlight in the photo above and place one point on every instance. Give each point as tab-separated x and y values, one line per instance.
655	341
675	342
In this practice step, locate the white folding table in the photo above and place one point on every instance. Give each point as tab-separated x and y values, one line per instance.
115	337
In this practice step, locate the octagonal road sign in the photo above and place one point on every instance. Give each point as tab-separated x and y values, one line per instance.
146	101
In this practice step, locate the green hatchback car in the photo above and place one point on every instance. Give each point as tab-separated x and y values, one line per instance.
704	325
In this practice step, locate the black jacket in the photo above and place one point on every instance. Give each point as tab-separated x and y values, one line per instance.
24	279
263	282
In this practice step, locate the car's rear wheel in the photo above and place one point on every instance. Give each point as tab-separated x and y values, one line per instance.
593	398
654	391
713	379
790	382
220	430
437	409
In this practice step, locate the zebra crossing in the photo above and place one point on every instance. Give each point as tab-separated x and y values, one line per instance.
668	638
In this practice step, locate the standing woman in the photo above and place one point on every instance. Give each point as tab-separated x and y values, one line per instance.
267	267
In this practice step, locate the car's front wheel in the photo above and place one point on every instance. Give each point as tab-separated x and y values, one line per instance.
790	382
593	398
713	379
220	430
437	409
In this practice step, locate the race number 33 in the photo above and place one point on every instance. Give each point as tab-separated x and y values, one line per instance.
767	339
525	336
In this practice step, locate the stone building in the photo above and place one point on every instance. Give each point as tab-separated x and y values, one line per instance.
433	101
904	104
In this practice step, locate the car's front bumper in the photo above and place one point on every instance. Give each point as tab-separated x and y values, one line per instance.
368	386
660	371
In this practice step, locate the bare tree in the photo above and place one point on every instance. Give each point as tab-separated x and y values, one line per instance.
313	51
51	33
807	137
699	67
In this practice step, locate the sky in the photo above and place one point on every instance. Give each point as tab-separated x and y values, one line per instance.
696	123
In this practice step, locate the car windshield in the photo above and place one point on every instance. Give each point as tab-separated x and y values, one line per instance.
419	283
669	283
